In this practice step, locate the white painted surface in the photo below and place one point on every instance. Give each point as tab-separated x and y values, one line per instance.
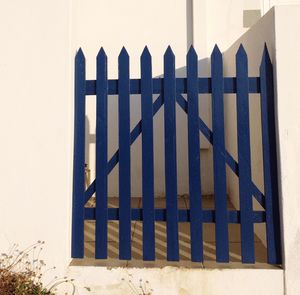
283	40
262	32
224	22
36	126
288	79
283	2
180	281
156	24
268	4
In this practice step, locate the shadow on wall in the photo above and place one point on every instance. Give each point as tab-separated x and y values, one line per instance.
136	152
158	124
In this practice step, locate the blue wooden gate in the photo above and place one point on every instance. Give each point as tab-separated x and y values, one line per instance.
170	90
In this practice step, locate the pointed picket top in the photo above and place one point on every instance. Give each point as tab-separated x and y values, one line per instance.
192	65
80	63
216	52
146	53
169	62
169	54
217	65
192	54
101	54
101	67
192	51
241	53
123	54
80	55
146	62
241	61
266	60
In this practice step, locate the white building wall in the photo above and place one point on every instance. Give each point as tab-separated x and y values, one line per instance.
288	80
156	24
224	21
179	281
283	41
253	42
36	126
283	2
39	40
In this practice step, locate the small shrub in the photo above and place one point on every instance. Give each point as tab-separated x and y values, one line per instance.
21	272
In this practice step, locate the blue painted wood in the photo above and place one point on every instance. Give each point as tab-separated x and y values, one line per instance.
124	158
270	160
204	85
183	215
222	245
244	157
228	158
147	157
174	88
205	131
194	157
79	159
170	155
115	158
101	156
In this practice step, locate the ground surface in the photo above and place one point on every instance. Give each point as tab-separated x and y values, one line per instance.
160	235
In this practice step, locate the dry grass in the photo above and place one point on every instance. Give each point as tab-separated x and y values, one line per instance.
21	272
141	287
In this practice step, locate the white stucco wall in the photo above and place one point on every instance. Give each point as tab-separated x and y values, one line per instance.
288	79
253	41
39	40
156	24
283	2
283	40
36	126
179	281
224	21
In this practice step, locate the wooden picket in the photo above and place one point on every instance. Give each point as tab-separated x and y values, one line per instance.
101	156
269	160
194	157
170	155
170	90
148	157
244	158
222	241
124	158
79	158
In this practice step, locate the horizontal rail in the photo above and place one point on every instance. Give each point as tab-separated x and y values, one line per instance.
170	91
230	161
204	85
115	158
183	215
202	127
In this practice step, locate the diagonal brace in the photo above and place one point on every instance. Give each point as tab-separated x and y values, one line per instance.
137	130
234	166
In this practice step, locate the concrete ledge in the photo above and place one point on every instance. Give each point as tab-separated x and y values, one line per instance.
175	280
